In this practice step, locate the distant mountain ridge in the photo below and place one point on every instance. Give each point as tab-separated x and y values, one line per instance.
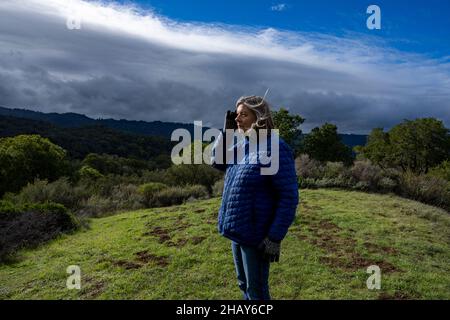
75	120
153	128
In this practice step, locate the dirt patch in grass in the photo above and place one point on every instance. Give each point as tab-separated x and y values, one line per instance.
159	232
302	237
128	265
396	296
200	210
163	234
141	259
306	206
182	226
92	288
197	240
340	249
375	248
179	243
183	241
355	261
147	257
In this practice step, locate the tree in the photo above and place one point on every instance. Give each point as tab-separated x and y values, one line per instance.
26	157
420	144
415	145
324	144
289	127
377	149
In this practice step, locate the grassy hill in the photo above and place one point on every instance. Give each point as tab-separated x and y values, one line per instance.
176	253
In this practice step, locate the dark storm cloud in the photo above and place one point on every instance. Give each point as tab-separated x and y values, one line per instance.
127	64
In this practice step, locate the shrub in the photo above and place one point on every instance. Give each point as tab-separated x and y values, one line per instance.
113	164
197	192
127	196
26	157
36	192
217	189
307	183
31	224
367	173
386	184
152	187
191	174
177	195
307	167
425	188
96	206
149	190
338	182
155	176
104	186
362	185
325	183
88	173
441	171
59	191
122	197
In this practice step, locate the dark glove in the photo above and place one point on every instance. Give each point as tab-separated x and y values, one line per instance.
270	250
230	122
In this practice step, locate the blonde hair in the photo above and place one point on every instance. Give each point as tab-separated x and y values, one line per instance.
261	109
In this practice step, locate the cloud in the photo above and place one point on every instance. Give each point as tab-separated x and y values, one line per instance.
279	7
128	63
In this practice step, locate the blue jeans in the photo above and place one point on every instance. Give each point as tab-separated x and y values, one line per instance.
252	272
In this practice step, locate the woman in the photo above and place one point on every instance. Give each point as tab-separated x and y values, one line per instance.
256	209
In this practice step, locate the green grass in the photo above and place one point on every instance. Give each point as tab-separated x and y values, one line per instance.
176	253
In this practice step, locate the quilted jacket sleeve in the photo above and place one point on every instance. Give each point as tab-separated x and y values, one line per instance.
217	153
285	186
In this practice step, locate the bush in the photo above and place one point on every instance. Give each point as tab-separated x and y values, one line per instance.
364	176
122	197
152	187
307	167
31	224
425	188
127	196
149	190
96	206
191	174
334	170
325	183
105	185
155	176
307	183
217	189
362	185
368	174
89	173
386	184
26	157
197	192
59	191
441	171
113	164
177	195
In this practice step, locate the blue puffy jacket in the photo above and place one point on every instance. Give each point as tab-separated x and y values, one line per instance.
256	206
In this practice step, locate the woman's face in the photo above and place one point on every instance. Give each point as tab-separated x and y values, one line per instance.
245	117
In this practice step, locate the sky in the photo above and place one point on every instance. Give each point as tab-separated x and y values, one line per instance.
185	61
